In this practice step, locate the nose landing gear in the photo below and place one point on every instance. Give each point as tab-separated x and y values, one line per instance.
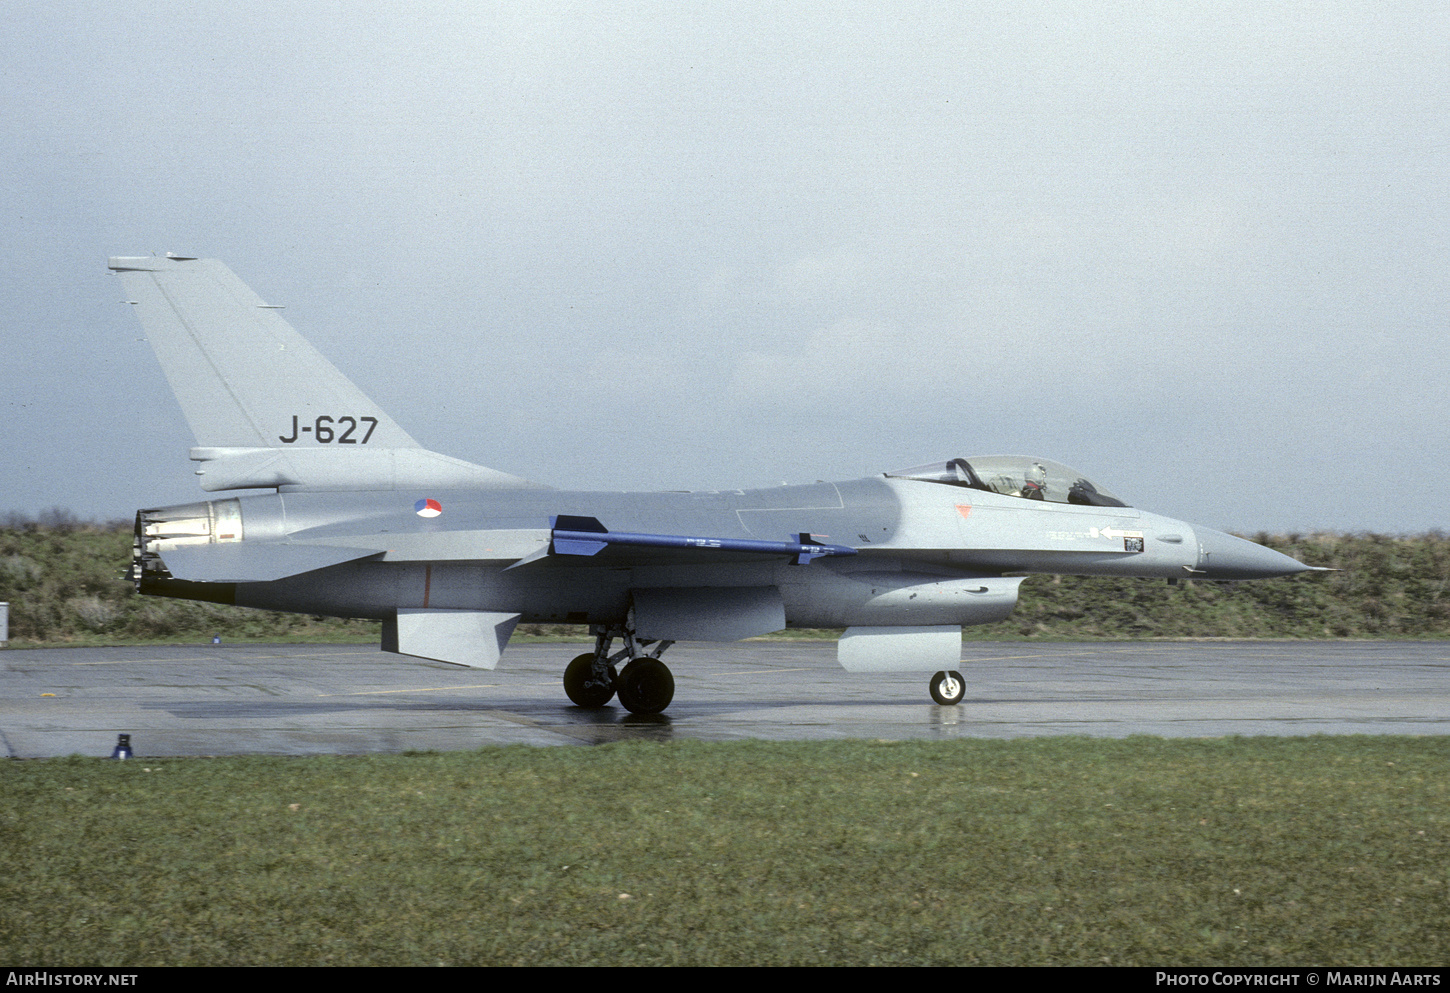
948	688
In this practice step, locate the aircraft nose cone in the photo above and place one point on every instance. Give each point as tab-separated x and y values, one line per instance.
1222	556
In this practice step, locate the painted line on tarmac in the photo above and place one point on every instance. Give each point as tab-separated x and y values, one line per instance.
421	689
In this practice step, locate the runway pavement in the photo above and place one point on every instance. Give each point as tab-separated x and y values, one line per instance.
347	699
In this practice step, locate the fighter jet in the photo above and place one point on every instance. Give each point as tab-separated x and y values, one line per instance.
338	511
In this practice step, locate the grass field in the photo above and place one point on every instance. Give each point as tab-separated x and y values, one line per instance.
1047	851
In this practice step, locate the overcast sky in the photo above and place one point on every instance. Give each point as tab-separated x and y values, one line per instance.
1196	250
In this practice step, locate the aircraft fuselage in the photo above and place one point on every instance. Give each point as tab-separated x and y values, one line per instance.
927	553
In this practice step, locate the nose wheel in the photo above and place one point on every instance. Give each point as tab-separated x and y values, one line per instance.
948	688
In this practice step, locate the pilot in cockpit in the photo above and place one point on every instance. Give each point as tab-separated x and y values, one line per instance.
1034	484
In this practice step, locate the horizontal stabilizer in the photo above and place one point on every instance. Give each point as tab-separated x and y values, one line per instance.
248	562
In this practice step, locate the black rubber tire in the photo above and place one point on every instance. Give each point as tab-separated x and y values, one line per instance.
577	674
948	688
646	686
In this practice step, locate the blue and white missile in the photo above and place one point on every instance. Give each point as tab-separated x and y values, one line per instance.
586	536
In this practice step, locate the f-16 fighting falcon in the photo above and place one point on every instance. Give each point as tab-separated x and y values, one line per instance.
340	512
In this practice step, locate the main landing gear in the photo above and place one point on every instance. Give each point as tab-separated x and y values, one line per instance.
645	686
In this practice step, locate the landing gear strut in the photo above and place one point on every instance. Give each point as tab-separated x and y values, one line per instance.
948	688
646	685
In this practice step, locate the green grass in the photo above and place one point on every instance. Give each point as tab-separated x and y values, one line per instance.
1046	851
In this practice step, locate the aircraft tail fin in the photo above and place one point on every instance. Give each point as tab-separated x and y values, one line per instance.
242	375
267	408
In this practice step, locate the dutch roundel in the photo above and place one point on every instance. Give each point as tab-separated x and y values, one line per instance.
428	508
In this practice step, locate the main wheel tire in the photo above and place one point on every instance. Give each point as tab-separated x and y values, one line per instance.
577	685
646	686
948	688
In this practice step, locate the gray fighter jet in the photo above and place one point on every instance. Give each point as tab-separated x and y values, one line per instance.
344	514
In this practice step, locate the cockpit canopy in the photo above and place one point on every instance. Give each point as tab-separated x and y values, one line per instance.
1015	475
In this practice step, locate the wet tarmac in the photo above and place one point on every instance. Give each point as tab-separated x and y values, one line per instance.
350	699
